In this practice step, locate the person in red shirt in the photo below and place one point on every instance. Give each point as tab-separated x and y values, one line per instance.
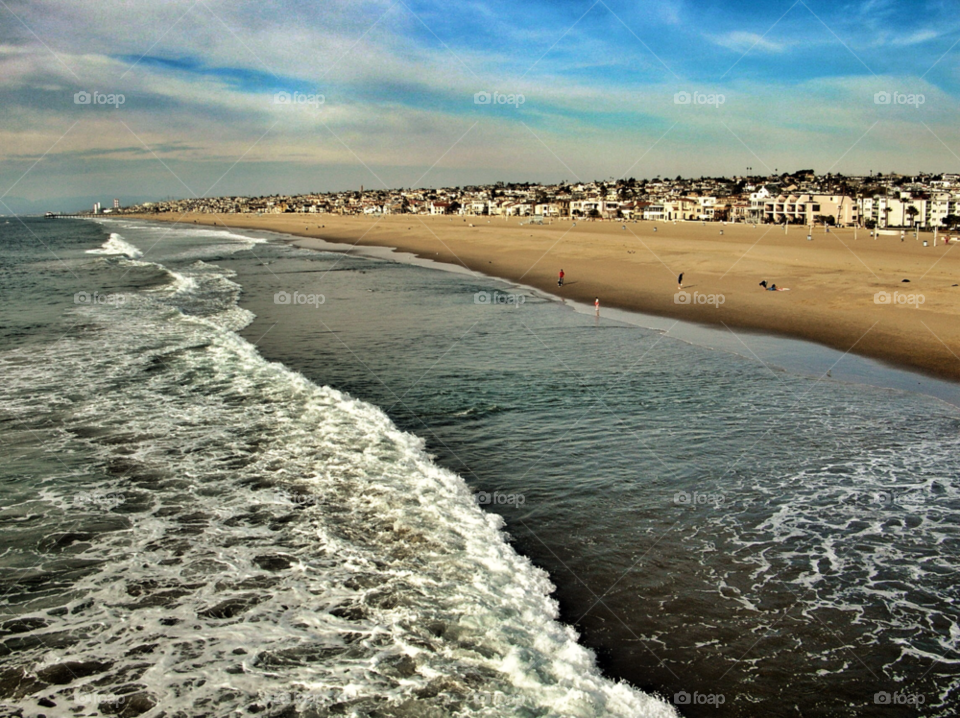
560	280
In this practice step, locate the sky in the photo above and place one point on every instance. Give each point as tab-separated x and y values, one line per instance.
191	98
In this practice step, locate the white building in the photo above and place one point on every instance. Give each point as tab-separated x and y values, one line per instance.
805	208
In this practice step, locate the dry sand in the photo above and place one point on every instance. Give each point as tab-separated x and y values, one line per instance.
833	279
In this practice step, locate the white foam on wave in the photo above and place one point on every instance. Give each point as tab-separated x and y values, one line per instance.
117	245
223	234
197	231
184	285
869	535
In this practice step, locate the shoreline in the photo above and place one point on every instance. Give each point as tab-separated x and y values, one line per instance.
630	267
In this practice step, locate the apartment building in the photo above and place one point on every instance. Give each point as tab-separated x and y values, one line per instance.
805	208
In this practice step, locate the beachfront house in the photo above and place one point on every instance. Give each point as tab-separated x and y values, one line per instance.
705	207
553	209
611	210
584	207
739	211
594	207
758	201
516	209
806	209
654	212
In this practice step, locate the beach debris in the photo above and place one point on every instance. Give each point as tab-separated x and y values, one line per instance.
904	280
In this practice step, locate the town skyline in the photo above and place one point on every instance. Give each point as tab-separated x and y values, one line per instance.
924	201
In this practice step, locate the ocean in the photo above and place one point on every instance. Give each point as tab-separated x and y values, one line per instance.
245	478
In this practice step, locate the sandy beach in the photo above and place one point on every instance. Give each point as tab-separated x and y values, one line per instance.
834	279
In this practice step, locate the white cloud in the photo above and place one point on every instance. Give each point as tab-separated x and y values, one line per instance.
740	41
915	38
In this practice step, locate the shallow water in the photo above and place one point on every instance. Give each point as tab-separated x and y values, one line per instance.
191	530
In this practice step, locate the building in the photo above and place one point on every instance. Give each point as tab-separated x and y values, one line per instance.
655	211
806	208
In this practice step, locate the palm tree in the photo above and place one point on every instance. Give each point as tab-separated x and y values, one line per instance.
912	212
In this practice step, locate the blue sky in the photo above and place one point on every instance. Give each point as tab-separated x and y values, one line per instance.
383	93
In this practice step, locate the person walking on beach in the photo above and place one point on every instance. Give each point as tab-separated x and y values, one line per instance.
596	305
680	282
560	280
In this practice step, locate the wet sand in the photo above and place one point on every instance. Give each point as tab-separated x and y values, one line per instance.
833	279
